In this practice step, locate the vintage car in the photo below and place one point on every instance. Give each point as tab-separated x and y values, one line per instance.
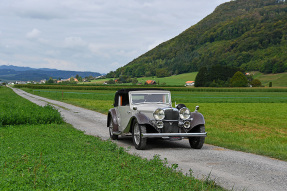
148	113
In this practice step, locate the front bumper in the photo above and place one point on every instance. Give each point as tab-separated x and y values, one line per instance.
168	135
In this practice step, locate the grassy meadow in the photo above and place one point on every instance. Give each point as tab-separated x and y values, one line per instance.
239	119
176	80
52	155
278	80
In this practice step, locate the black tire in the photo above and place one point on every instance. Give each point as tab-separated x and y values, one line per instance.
111	129
197	142
139	141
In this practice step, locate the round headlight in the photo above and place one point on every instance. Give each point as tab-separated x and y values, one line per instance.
159	124
159	114
184	113
186	124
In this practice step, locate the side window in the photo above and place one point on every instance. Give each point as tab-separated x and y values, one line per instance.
123	100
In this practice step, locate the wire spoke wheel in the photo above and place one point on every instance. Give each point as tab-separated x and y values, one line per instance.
139	141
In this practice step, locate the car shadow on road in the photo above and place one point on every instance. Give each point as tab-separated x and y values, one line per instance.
154	144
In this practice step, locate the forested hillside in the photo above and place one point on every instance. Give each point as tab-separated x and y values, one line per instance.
249	34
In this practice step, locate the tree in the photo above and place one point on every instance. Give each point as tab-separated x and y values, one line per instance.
255	83
201	78
72	80
111	81
79	78
134	81
239	80
50	81
162	72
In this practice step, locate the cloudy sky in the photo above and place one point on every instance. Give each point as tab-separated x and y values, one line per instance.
91	35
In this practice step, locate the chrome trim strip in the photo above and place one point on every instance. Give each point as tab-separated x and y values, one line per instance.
169	120
155	135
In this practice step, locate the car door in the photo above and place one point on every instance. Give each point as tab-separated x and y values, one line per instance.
124	114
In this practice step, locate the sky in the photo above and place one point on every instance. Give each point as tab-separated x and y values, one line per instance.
91	35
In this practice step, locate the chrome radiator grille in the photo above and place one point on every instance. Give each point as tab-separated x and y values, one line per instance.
171	114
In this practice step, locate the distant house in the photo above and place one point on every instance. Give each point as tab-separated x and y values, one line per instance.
189	83
67	80
150	82
43	81
21	82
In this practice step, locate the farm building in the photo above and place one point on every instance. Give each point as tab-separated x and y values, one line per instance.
189	83
150	82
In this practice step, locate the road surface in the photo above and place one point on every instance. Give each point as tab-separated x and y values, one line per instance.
229	169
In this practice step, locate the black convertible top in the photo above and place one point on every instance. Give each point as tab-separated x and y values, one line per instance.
125	94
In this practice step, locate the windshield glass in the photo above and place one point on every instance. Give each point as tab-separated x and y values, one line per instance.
141	98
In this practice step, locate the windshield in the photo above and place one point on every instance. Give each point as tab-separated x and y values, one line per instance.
142	98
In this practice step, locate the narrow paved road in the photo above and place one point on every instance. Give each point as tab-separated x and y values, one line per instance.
230	169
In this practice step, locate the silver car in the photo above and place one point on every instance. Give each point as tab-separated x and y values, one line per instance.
148	113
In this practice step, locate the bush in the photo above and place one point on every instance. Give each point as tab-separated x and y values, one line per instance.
239	80
255	83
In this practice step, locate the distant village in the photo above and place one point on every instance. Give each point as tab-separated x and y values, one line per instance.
51	80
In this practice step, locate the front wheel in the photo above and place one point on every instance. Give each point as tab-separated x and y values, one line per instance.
111	129
197	142
139	141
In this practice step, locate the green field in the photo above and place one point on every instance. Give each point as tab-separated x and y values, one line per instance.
52	155
241	120
176	80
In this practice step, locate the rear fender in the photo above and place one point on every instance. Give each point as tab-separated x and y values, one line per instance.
112	115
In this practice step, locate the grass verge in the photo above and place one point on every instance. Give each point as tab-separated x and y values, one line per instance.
58	157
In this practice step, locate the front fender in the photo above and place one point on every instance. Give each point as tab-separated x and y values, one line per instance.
112	117
142	119
198	119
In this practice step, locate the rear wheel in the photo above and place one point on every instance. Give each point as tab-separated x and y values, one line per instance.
197	142
111	129
139	141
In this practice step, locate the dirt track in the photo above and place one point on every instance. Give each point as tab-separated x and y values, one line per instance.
230	169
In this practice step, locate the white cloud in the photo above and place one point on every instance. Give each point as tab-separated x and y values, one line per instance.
74	42
92	35
33	34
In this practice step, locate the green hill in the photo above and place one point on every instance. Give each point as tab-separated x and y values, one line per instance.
278	80
250	34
